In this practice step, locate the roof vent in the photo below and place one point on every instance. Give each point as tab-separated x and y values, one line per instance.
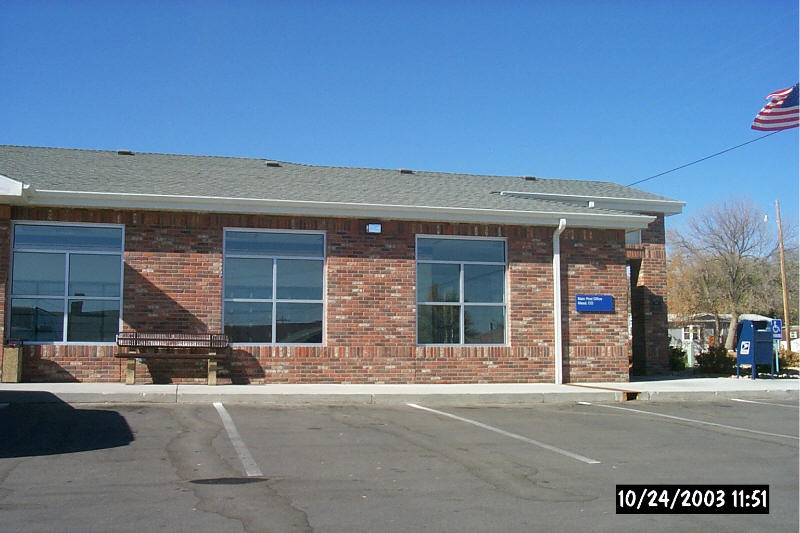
124	152
405	171
529	178
273	164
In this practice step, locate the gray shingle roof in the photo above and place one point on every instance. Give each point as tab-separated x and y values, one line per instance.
59	169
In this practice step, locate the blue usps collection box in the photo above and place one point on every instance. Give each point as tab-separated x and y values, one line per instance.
754	345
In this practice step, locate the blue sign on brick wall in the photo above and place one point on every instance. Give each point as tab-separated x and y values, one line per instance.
594	303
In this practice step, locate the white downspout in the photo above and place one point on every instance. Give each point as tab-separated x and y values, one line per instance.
557	299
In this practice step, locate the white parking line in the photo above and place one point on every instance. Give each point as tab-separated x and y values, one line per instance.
249	464
703	422
508	434
764	403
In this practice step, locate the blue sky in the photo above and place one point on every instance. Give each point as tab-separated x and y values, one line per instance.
606	90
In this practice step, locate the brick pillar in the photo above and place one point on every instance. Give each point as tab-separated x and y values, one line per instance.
5	243
5	240
648	301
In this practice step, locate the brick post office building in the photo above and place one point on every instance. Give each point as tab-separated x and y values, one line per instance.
325	274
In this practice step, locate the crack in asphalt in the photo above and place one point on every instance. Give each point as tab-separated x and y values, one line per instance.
257	506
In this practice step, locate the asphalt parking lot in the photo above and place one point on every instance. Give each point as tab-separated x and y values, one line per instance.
547	467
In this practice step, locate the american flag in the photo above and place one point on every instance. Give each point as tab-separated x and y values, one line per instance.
780	113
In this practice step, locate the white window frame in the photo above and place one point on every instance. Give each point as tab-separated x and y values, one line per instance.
461	303
275	301
66	297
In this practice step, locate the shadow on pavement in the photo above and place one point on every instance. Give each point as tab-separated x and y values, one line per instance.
38	423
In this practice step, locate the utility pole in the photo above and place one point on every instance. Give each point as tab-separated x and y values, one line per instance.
786	323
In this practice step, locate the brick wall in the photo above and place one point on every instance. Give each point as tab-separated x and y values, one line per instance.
648	300
172	281
594	262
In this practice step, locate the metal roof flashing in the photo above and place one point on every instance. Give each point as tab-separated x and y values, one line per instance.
638	205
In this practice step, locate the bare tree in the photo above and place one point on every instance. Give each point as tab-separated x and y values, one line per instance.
728	242
693	285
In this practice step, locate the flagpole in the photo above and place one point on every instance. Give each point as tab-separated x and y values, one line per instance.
786	323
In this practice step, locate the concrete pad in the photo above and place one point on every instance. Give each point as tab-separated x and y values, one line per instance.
706	388
383	394
380	394
463	400
303	394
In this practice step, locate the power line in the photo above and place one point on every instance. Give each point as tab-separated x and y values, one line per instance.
703	159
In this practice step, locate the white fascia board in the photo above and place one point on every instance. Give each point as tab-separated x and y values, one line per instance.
103	200
668	207
10	188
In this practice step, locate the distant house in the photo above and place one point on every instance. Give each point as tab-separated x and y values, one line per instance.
794	339
697	329
326	274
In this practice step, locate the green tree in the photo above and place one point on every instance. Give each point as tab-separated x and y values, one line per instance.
769	300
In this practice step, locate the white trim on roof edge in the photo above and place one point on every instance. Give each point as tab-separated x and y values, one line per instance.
668	207
331	209
10	187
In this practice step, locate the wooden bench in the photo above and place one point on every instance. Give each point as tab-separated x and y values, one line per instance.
210	347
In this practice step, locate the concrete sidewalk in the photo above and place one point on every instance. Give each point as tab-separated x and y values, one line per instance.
366	394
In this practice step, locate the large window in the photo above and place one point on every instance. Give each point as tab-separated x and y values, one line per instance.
66	283
461	291
272	286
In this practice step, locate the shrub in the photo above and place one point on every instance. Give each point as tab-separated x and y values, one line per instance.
677	358
788	359
716	361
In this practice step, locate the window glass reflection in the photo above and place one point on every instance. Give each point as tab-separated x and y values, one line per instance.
299	280
248	278
248	321
39	274
484	283
461	250
274	244
51	237
37	320
94	275
438	324
92	320
437	282
484	324
298	323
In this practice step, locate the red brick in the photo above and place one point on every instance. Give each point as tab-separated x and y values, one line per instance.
173	282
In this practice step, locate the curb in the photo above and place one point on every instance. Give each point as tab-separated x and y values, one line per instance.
38	396
389	399
196	394
787	394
